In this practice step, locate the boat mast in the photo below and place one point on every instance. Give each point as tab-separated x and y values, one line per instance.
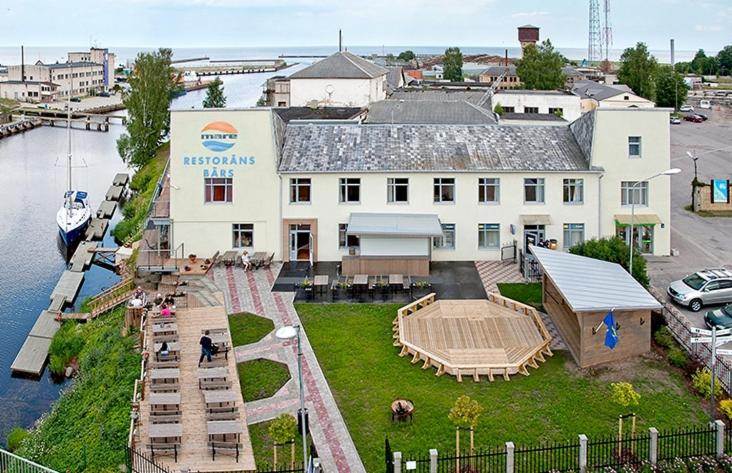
68	151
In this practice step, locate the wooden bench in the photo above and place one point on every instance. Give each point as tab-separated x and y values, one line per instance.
216	361
170	417
165	364
214	384
224	448
164	387
164	449
168	337
229	415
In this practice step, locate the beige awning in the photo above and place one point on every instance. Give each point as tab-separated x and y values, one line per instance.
536	220
638	219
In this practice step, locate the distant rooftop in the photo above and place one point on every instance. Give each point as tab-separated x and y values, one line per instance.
532	92
590	89
428	112
542	117
68	65
288	114
439	95
498	70
341	65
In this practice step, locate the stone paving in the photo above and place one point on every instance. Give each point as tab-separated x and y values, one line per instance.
251	292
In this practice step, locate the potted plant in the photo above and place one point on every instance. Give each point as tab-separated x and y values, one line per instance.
305	288
381	288
340	290
192	258
420	288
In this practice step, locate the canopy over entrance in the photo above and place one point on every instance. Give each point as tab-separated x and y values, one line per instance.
642	219
395	225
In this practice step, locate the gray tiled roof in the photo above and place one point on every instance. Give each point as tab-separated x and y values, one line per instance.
588	89
66	65
542	117
498	70
582	129
379	148
341	65
427	112
393	78
439	95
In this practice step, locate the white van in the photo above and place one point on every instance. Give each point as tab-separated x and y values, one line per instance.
705	104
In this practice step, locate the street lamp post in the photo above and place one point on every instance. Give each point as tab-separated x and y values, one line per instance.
693	184
288	332
667	172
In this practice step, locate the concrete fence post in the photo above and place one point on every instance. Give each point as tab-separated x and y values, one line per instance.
397	462
720	437
653	447
433	460
510	448
582	453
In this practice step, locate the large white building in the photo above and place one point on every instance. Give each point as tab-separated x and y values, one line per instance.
594	95
563	104
75	78
342	79
359	192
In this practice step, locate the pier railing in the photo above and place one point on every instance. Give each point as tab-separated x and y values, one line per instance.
10	462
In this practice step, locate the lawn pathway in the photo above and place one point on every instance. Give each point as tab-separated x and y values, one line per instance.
251	292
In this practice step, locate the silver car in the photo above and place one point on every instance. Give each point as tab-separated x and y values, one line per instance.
707	287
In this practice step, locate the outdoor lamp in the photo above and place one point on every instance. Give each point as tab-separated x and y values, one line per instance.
288	332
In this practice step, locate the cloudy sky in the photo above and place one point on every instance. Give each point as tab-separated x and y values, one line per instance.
241	23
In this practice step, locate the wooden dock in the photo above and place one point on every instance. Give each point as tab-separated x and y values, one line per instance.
32	356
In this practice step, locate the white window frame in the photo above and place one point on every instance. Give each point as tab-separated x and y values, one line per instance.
209	183
578	184
344	185
641	191
440	242
484	229
343	238
568	230
237	229
439	182
635	141
484	183
540	184
295	184
391	188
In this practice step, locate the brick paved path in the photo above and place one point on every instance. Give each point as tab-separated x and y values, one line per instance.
251	292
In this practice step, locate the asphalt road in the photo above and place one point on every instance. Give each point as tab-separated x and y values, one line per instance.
702	242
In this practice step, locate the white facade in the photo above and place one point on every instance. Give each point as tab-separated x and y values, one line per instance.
626	146
85	77
519	101
337	92
34	92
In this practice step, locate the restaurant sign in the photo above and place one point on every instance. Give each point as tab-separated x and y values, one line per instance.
720	191
219	137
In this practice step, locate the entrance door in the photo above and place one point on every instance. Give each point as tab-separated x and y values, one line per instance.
300	247
533	234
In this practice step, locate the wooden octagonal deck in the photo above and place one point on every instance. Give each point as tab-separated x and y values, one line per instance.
494	336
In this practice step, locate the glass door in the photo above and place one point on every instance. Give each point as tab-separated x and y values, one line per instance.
300	242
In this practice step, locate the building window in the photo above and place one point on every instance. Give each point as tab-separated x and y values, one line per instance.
574	234
397	190
558	111
350	190
509	109
531	109
219	189
637	195
534	190
574	191
344	240
489	189
634	146
444	189
447	240
489	235
243	235
299	190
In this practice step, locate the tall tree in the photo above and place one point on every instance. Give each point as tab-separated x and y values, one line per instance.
541	67
406	56
671	89
215	97
638	70
453	65
147	105
699	62
724	59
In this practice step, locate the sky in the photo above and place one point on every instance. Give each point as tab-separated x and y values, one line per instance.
256	23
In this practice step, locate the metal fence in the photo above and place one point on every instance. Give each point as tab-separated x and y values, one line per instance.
582	454
139	462
10	463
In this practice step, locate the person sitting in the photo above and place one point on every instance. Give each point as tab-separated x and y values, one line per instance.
136	303
246	261
158	299
165	311
169	299
164	350
139	293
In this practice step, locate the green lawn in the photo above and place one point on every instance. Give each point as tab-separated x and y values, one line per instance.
262	445
248	328
261	378
353	344
527	293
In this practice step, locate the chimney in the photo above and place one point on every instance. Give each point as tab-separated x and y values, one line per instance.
340	41
673	63
22	64
506	58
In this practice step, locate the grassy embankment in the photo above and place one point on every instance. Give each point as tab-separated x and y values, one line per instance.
526	293
353	344
143	185
87	428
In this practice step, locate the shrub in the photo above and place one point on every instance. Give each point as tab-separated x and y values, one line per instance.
726	463
498	109
725	407
624	394
283	429
65	346
701	380
15	438
677	357
613	250
465	412
664	338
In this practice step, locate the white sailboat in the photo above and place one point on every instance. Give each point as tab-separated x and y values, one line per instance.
74	215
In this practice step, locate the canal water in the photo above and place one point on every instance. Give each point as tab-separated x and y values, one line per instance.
32	183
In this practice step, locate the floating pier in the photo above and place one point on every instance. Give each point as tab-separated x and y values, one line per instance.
32	356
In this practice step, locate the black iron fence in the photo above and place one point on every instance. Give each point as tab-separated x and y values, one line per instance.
529	267
685	443
612	452
559	456
140	462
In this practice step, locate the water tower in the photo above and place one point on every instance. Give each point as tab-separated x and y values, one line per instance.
528	34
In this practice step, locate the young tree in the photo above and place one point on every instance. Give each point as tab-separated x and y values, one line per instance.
670	88
616	251
453	65
147	107
465	414
498	109
638	70
215	97
282	430
541	67
724	59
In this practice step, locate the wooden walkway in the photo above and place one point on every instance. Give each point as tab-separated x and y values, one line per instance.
194	454
496	336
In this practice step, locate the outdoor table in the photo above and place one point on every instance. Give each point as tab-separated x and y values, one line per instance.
165	400
173	347
213	373
230	257
360	280
164	374
219	338
220	397
164	328
166	431
224	428
396	280
320	283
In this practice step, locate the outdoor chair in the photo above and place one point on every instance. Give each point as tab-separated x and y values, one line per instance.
224	448
164	449
268	262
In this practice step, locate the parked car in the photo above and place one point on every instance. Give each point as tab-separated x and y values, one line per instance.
104	93
693	117
720	318
76	99
686	108
703	117
710	286
675	121
705	104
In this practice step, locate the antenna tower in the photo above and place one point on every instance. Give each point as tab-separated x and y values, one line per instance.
607	31
594	50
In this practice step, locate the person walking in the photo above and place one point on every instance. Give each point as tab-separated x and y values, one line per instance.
206	348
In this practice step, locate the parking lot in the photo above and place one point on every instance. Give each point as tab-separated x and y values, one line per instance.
702	242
